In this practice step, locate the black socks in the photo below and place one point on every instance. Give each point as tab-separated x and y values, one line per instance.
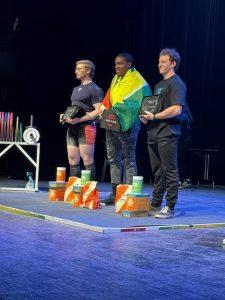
75	170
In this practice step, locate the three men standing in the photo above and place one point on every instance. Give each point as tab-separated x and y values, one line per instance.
124	98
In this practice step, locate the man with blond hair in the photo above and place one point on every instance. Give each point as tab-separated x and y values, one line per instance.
81	132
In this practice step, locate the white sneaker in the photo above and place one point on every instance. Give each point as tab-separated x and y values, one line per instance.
165	213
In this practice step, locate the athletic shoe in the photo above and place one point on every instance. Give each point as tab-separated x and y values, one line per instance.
153	209
185	183
165	213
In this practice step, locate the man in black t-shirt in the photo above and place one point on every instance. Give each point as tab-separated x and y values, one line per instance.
81	131
163	129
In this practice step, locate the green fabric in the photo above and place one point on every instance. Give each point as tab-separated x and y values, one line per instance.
128	110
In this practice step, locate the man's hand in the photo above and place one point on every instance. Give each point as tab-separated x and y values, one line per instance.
73	121
101	109
148	115
143	120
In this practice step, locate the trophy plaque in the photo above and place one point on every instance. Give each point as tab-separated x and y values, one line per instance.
110	120
149	103
71	112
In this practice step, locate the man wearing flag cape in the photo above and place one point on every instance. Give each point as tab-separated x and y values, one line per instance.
124	98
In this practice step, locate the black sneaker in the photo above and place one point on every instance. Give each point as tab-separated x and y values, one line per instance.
185	183
110	199
165	213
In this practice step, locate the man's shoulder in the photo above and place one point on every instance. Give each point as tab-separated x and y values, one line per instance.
177	80
95	90
173	82
137	74
93	85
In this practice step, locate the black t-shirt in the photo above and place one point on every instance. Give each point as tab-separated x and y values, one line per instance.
86	95
186	119
172	91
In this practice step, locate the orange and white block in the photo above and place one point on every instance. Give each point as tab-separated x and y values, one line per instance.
90	195
121	196
69	192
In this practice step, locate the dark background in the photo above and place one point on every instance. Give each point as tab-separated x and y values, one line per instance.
52	35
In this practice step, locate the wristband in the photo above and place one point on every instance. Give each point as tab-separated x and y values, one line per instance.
153	118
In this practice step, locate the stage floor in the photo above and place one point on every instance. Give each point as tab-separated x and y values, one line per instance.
202	207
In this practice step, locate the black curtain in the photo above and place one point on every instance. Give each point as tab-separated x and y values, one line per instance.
52	35
195	29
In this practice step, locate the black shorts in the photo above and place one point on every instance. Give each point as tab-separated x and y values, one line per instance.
83	134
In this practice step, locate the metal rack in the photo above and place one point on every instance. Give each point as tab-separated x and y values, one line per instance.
35	162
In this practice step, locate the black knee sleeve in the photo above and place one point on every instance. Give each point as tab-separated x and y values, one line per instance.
75	170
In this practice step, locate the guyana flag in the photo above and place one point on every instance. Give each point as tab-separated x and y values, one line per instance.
125	97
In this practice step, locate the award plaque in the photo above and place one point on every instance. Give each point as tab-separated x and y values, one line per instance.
71	112
149	103
110	120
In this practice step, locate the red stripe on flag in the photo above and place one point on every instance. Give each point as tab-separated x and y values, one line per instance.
106	100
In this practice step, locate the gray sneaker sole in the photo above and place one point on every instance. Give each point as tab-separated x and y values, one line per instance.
161	216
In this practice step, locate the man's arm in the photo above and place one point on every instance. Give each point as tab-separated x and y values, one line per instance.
170	112
88	117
